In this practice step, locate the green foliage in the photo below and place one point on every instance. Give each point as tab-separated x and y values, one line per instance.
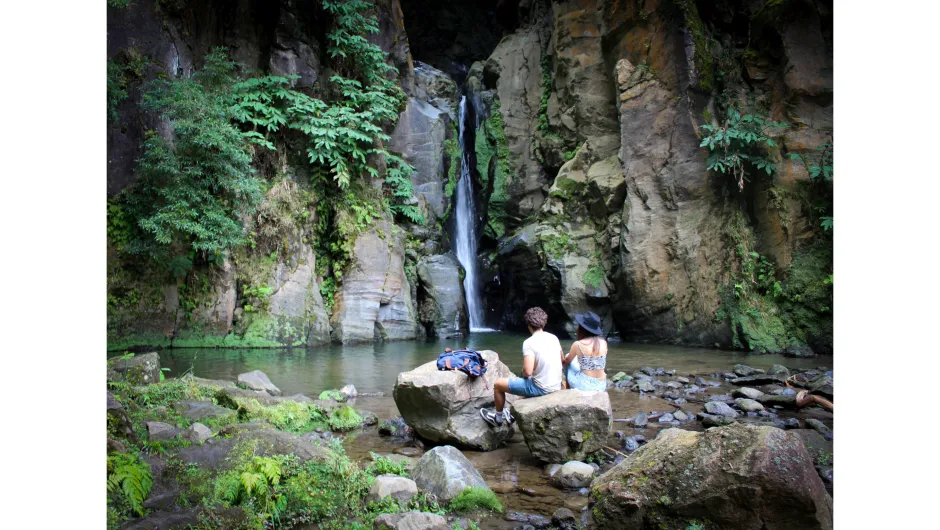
129	480
117	88
819	167
189	194
288	416
740	147
382	465
345	418
557	245
543	125
595	275
333	394
476	498
255	482
704	45
119	4
491	142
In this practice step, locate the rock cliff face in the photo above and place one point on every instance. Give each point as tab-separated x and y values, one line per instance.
593	190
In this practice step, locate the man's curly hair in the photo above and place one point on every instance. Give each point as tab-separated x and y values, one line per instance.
536	317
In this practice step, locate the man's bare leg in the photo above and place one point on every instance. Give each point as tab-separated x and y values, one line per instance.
499	393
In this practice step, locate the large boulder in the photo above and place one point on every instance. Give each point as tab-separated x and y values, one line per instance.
214	455
442	307
141	369
739	476
201	410
445	472
399	488
374	301
444	406
410	521
564	425
258	380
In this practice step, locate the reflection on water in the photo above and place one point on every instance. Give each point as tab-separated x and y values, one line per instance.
375	367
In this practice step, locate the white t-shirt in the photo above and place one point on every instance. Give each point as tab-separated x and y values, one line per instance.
547	351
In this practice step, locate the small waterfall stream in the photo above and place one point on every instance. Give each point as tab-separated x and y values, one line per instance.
466	229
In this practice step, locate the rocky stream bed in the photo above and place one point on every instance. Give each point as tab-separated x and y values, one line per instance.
726	449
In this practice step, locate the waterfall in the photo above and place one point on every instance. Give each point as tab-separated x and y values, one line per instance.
466	229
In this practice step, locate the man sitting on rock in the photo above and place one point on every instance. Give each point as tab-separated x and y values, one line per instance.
541	369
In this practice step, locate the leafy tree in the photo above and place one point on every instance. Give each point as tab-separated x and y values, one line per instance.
819	167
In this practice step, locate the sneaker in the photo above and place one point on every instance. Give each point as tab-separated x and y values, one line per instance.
508	416
492	417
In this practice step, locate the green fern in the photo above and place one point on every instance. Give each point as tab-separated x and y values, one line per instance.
740	146
129	477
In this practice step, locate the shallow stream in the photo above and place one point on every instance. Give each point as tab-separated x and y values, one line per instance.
511	470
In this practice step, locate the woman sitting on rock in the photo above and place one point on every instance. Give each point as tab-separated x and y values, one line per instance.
587	358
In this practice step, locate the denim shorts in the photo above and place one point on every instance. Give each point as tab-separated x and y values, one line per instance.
525	387
582	381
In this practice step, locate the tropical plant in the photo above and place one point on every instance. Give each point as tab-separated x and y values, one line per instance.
129	479
740	146
819	167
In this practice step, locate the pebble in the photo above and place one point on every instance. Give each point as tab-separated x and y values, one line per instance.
718	408
747	392
680	416
683	380
666	418
748	405
640	420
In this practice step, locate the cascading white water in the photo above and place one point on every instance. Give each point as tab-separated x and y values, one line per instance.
466	230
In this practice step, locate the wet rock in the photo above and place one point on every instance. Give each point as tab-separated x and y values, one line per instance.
396	428
258	380
782	401
644	386
648	371
197	433
201	410
743	370
673	385
573	475
671	395
442	307
747	393
444	406
564	425
718	408
157	431
748	405
818	426
825	473
798	352
666	418
445	472
505	486
704	473
408	451
778	369
726	375
141	369
229	430
229	397
680	416
710	420
565	519
759	379
551	469
787	423
349	392
410	521
683	380
822	385
619	376
399	488
640	420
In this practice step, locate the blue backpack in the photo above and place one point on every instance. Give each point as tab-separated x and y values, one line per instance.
469	362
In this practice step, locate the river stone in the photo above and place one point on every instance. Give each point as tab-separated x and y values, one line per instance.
551	469
822	385
718	408
444	406
787	401
410	521
442	308
445	472
619	376
573	475
157	431
213	454
644	386
565	519
730	475
229	397
759	379
680	416
258	380
743	370
666	418
710	420
349	392
640	420
747	393
200	410
396	428
564	425
818	426
399	488
748	405
778	369
142	369
197	433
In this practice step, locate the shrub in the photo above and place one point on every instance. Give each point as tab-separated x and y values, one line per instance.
382	465
345	418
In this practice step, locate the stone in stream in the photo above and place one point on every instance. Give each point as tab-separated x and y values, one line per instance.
619	376
680	416
818	426
444	406
564	425
142	369
644	386
778	369
759	379
410	521
786	401
442	309
748	405
445	472
197	433
718	408
551	469
258	380
666	418
399	488
396	428
565	519
673	384
747	393
822	385
707	473
648	371
743	370
573	475
683	380
157	431
349	392
710	420
640	420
